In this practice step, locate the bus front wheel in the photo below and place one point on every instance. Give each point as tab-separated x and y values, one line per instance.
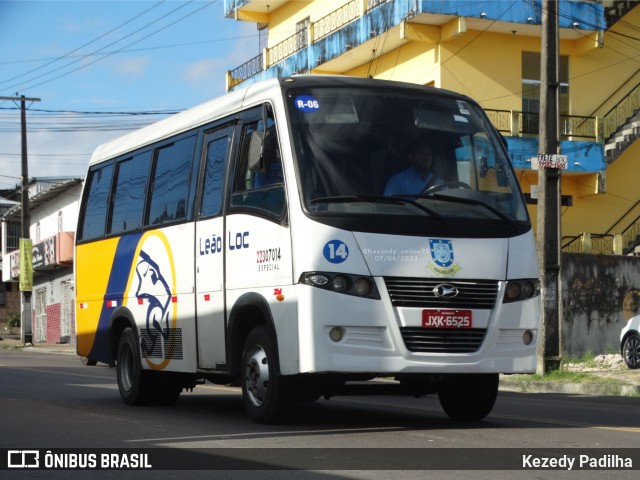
469	397
263	389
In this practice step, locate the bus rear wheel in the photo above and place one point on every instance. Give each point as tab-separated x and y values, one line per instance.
138	386
263	389
469	397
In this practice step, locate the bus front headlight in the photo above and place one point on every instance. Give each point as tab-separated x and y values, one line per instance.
362	286
340	284
356	285
518	290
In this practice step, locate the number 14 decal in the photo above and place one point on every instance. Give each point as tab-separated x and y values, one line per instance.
335	251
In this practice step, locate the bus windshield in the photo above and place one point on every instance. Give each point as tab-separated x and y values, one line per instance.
420	154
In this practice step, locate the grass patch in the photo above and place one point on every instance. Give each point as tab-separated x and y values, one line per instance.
563	376
588	360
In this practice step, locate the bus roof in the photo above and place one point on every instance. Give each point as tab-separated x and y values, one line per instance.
229	103
186	120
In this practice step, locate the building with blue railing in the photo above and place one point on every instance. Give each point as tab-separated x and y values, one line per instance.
489	50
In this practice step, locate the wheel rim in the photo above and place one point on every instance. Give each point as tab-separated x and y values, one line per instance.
257	376
632	351
126	364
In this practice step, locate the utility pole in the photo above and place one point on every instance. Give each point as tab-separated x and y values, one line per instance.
26	284
549	228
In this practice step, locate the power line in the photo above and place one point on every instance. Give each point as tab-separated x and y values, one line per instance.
95	113
75	121
26	86
94	52
9	154
70	54
131	50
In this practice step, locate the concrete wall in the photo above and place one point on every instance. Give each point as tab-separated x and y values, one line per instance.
599	294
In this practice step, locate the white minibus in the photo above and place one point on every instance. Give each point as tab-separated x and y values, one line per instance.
307	237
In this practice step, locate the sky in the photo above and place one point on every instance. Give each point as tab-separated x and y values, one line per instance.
103	67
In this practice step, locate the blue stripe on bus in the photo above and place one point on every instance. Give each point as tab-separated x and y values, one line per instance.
118	278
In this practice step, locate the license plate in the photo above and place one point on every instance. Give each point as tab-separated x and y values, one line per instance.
446	318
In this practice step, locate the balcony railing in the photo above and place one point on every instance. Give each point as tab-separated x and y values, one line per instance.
287	47
245	71
623	243
337	19
576	126
316	31
516	123
602	244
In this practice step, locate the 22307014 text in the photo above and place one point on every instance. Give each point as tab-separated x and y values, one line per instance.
268	255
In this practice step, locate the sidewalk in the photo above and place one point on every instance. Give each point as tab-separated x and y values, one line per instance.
606	375
609	377
616	383
11	341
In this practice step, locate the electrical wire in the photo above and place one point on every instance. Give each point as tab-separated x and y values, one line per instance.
70	53
132	50
28	86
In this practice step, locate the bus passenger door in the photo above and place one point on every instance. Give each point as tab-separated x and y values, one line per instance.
210	301
258	239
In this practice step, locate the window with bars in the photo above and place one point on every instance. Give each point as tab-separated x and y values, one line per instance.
13	236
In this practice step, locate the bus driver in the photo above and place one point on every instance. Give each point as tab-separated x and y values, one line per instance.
416	178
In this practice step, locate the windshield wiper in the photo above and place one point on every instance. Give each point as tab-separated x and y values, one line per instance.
471	201
393	199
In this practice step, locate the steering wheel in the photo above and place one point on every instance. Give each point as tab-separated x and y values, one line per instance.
444	185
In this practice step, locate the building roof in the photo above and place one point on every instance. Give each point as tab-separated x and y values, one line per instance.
6	203
42	197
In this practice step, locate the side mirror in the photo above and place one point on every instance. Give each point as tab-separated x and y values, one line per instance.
261	150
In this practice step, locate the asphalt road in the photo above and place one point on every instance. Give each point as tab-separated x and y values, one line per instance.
52	401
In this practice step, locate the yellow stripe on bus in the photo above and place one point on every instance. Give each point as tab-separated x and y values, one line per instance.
93	268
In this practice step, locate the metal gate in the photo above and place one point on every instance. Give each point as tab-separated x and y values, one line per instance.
66	313
40	321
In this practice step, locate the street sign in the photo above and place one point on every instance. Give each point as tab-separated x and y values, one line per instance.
550	160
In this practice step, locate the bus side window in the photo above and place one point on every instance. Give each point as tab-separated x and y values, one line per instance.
95	212
129	194
259	181
170	182
214	176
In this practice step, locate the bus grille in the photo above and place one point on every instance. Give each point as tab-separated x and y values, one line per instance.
430	340
420	293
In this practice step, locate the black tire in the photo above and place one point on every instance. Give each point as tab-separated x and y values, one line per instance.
263	389
132	379
469	397
631	351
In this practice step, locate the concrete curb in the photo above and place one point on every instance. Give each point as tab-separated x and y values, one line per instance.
52	349
569	388
14	343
